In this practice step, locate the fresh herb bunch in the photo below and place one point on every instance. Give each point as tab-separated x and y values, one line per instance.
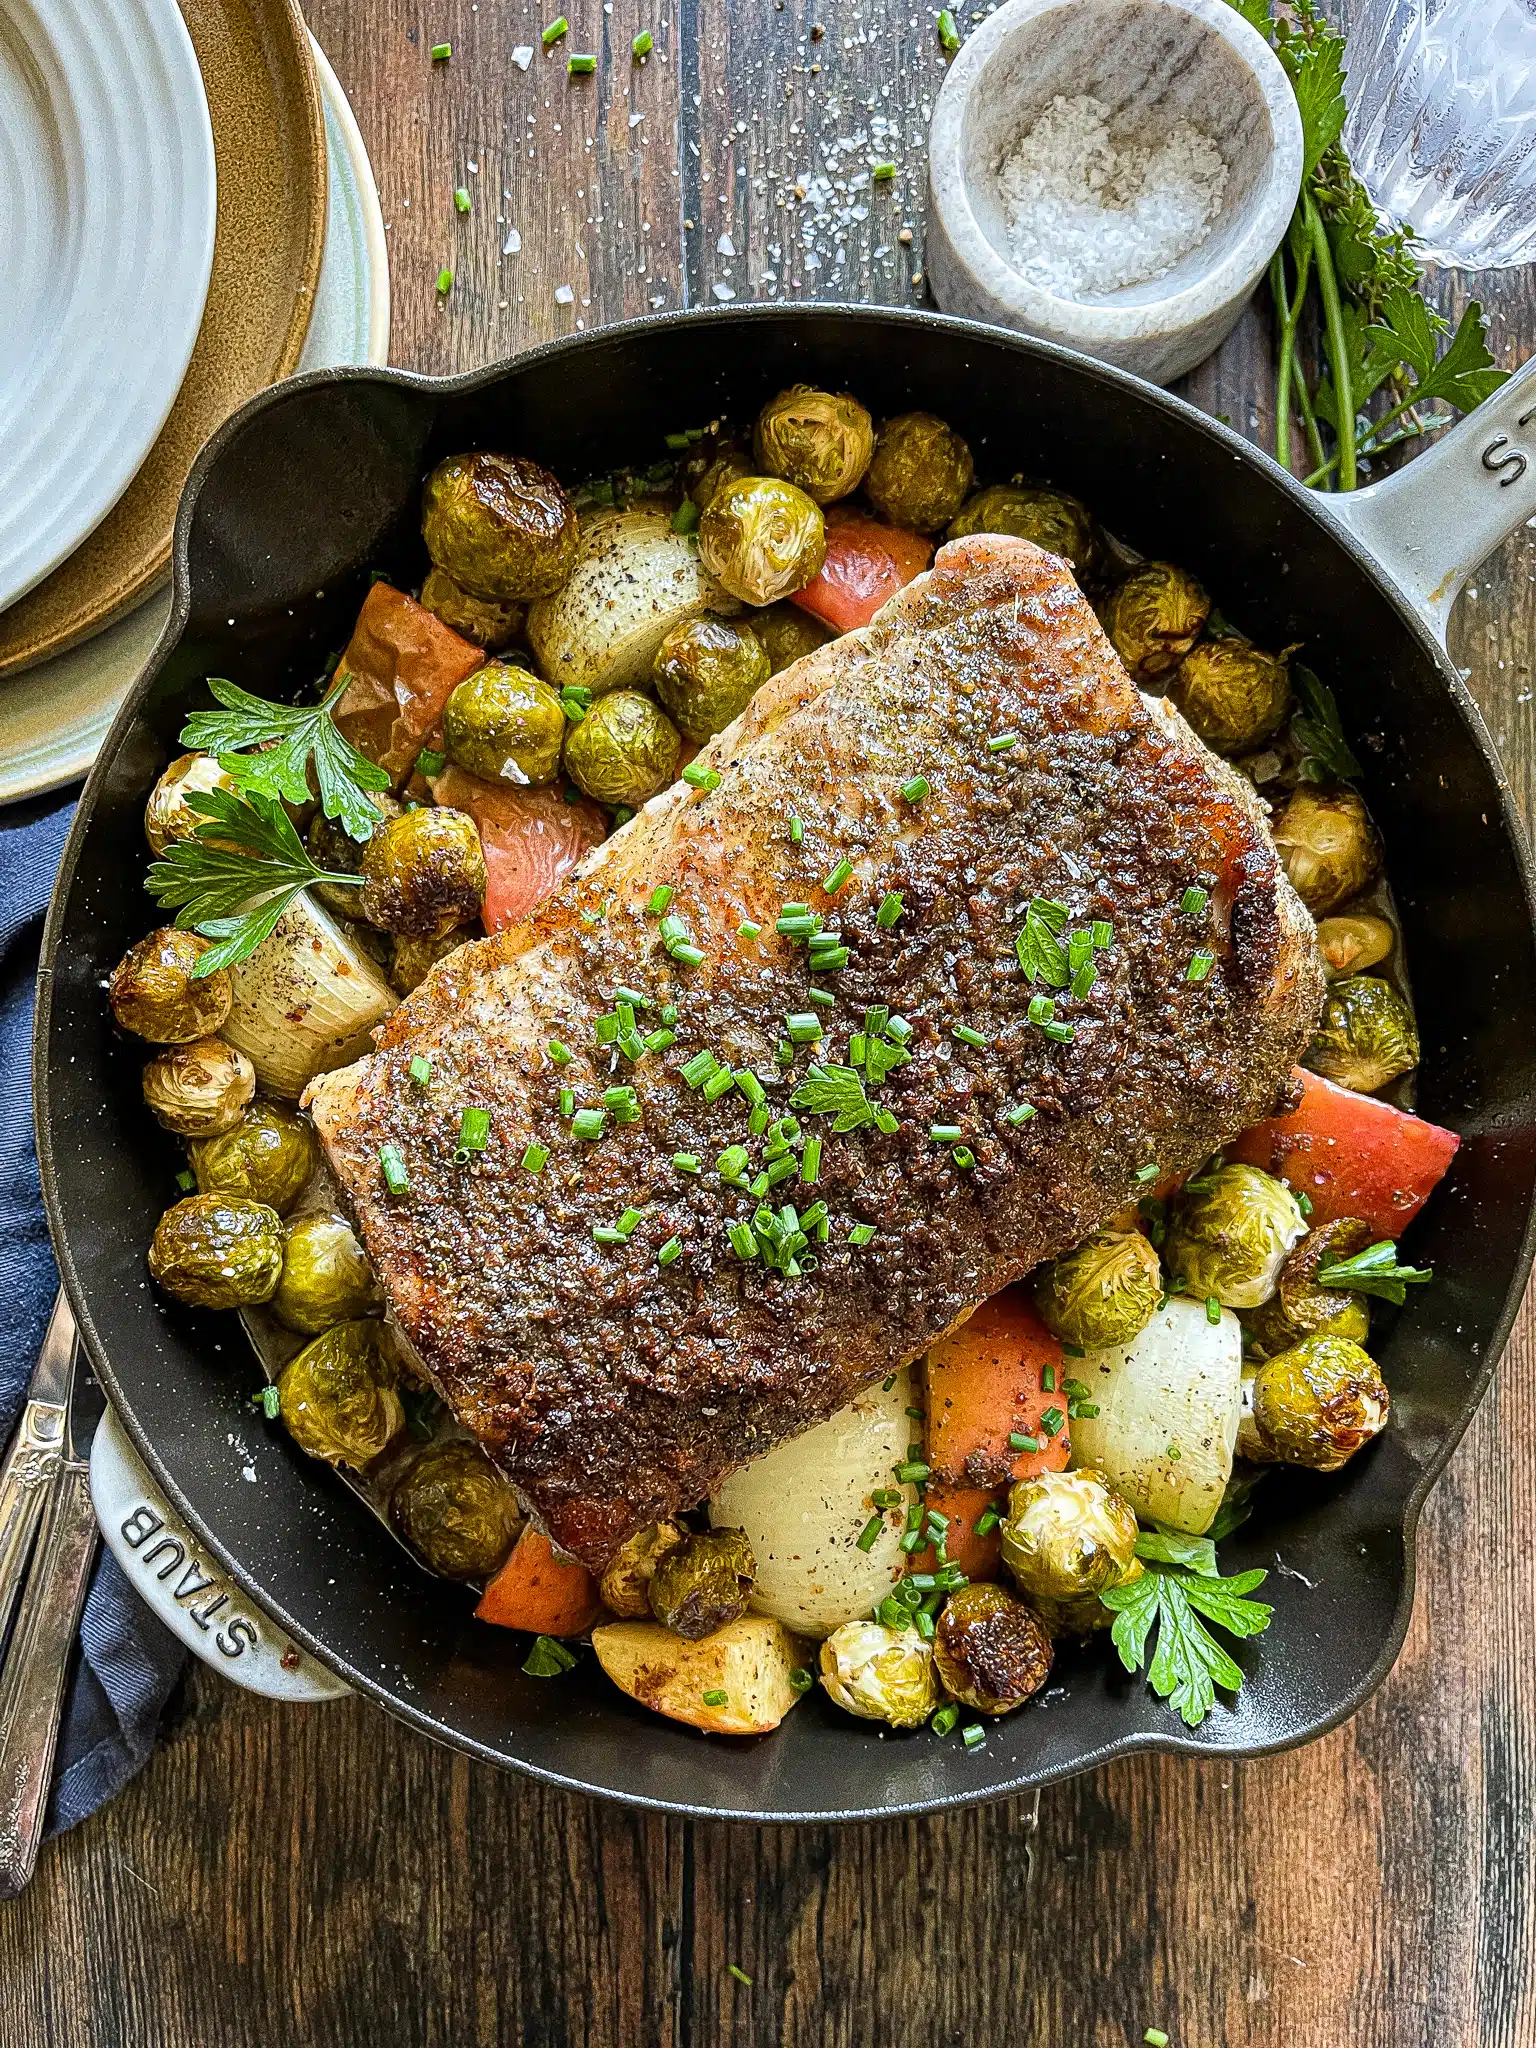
1178	1587
293	738
1378	336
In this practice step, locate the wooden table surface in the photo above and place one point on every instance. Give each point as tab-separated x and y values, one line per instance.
325	1876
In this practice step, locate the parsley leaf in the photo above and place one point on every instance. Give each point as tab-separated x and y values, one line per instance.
1326	755
1255	13
304	734
1041	953
1188	1664
1160	1545
1316	68
1374	1271
834	1091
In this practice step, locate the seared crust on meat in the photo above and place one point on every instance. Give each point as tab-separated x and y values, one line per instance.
612	1389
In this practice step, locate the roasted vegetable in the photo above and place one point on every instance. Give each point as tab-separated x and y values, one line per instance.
702	1583
787	633
1233	695
920	472
306	1000
1060	524
217	1251
739	1681
166	815
626	1584
1103	1292
505	725
707	670
820	440
880	1673
1353	942
1329	846
866	564
1366	1036
337	1398
1067	1534
424	873
489	624
709	471
401	663
455	1510
154	994
989	1651
762	538
268	1156
199	1089
1154	618
538	1590
624	750
501	526
1229	1233
1313	1405
332	847
326	1276
413	959
1300	1308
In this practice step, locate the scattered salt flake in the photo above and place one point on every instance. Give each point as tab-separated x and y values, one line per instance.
635	120
512	244
564	296
726	246
723	291
522	56
248	1472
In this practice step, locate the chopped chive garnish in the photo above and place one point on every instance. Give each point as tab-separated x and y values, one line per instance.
796	831
1001	742
749	1085
803	1027
606	1029
659	1040
831	961
891	907
461	199
535	1157
588	1124
748	929
967	1036
715	1697
687	955
870	1532
974	1737
567	1101
186	1180
474	1130
632	996
670	1251
1154	2037
444	282
797	923
560	1054
882	172
686	518
1059	1034
1020	1113
945	1134
1084	978
701	778
575	702
420	1071
733	1162
1146	1173
659	901
911	1472
396	1179
916	789
1087	1409
949	39
899	1029
810	1161
718	1083
620	1096
858	1048
686	1162
1052	1420
441	52
698	1070
1041	1009
963	1157
1047	1379
429	763
800	1680
988	1519
1212	1309
626	1223
1019	1441
823	998
812	1219
643	44
1200	965
913	1540
555	31
607	1234
782	1169
838	877
861	1233
743	1243
1193	901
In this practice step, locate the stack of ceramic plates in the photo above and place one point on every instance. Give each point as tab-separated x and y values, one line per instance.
189	214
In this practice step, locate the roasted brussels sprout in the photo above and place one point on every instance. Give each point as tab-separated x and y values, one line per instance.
787	632
505	725
1102	1293
706	672
326	1276
1235	696
1313	1405
217	1251
154	994
820	440
501	526
1228	1235
920	472
455	1510
702	1583
879	1673
1076	1620
489	624
989	1651
198	1089
1300	1308
1060	524
760	538
166	815
1365	1037
413	959
626	1584
1354	942
337	1398
267	1157
624	750
1329	846
1154	618
1067	1534
333	848
712	468
423	873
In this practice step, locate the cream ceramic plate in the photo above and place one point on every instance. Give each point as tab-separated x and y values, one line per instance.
107	211
53	717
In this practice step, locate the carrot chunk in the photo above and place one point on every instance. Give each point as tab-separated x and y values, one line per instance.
535	1590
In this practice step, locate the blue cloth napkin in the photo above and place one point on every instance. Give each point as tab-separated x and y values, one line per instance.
129	1661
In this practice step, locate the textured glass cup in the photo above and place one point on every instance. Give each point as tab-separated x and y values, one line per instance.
1442	123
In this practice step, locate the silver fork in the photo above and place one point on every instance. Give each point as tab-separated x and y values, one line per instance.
36	1452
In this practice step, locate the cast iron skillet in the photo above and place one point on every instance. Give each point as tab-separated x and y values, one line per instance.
314	484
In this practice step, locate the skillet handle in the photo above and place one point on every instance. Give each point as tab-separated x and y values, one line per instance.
1434	520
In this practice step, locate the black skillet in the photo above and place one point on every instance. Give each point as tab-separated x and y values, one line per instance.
314	484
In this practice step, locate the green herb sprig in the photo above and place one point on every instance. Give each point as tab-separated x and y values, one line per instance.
1188	1663
1374	1271
305	735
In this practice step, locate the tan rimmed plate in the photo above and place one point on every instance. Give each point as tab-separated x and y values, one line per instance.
269	142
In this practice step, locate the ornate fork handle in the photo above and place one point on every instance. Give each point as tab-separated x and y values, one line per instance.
31	1466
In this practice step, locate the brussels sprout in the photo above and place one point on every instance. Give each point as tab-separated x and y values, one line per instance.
702	1583
712	468
760	538
1077	1619
1329	846
154	995
267	1157
489	624
626	1584
1300	1308
1154	618
332	847
456	1511
1313	1405
879	1673
424	872
1061	525
413	959
1233	695
1102	1293
706	672
501	526
820	440
217	1251
624	750
787	633
167	816
1228	1236
199	1089
989	1651
337	1397
326	1275
920	472
1354	942
1365	1037
505	725
1067	1534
